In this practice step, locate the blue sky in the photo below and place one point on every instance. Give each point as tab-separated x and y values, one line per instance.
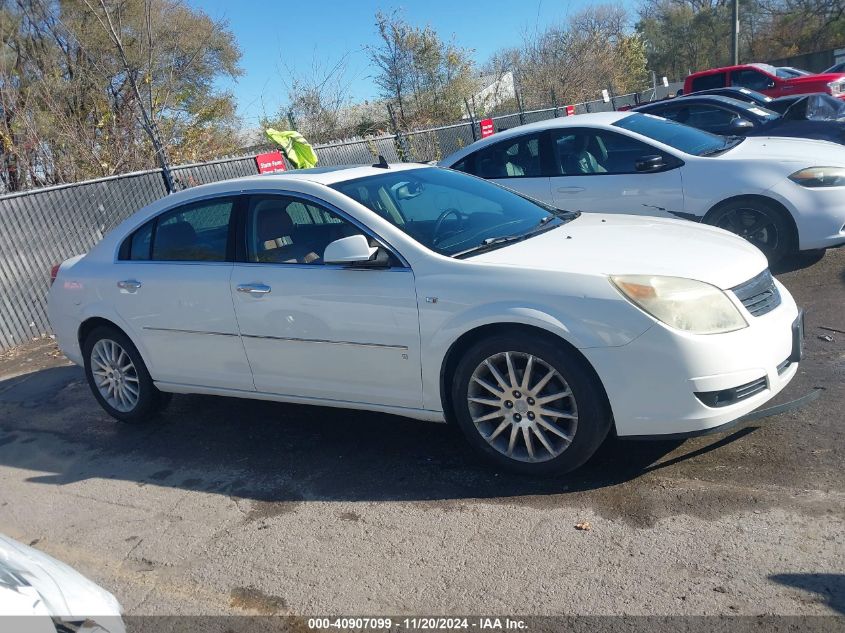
274	36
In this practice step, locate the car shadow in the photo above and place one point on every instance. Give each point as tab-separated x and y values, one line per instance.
798	261
265	451
830	587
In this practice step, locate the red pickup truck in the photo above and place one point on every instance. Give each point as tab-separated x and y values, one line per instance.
763	78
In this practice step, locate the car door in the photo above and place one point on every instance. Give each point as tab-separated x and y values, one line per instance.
317	330
519	163
598	172
171	286
754	79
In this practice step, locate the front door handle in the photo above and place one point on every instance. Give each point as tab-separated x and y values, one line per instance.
254	289
570	189
130	285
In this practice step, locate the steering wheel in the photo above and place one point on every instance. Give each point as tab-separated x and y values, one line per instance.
436	238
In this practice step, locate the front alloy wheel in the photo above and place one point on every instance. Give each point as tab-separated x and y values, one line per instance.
529	403
522	407
759	222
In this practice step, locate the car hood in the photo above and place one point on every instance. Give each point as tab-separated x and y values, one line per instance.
811	79
597	243
804	152
63	592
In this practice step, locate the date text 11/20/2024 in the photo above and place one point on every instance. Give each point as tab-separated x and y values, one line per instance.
417	623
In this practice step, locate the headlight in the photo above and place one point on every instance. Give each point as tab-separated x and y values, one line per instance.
685	304
820	177
836	88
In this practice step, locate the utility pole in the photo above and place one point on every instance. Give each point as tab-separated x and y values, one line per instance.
735	34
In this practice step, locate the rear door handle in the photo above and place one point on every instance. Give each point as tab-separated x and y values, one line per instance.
255	289
570	189
130	285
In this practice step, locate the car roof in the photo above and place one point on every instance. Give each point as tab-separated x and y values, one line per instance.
697	98
600	119
330	174
759	66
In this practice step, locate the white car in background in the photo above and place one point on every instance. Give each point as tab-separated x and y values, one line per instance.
781	194
431	294
39	594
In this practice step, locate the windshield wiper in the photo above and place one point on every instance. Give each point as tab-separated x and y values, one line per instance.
730	143
492	243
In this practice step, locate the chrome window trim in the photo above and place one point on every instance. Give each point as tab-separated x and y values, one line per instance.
248	192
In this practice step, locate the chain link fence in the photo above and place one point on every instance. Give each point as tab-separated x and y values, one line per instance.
43	227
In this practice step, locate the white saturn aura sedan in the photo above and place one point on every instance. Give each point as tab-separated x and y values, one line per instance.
432	294
781	194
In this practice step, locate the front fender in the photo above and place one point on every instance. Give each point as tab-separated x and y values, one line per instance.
580	333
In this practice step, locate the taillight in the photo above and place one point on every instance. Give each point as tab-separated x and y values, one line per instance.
54	272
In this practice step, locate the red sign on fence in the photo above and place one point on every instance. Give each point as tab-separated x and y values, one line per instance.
486	127
570	110
269	162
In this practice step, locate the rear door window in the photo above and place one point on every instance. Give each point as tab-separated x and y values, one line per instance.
708	82
511	158
196	232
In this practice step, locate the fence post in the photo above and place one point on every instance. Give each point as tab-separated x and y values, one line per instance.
401	146
519	105
612	97
554	102
471	121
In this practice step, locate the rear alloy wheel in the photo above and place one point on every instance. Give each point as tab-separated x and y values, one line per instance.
528	405
760	223
118	377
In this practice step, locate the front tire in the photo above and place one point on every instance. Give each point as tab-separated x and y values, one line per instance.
761	223
529	405
119	378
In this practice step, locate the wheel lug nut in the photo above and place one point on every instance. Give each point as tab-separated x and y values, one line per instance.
508	404
516	394
517	417
531	401
530	415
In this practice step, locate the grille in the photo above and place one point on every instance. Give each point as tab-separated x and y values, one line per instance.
726	397
759	295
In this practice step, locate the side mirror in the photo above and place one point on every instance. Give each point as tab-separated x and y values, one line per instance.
354	249
740	125
649	163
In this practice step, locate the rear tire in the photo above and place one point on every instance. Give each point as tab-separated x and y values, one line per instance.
551	421
119	378
762	223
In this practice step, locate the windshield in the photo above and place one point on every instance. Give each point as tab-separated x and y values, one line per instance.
787	72
449	212
682	137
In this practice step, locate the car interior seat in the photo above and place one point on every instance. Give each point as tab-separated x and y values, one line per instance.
175	241
274	230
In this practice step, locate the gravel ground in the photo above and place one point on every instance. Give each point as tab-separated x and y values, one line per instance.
225	506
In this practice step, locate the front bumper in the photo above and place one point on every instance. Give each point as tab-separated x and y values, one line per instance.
652	382
819	213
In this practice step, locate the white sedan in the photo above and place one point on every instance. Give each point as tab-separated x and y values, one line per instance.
431	294
782	194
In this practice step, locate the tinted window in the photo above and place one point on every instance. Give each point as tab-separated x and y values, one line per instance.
681	137
707	82
513	158
197	232
587	151
751	79
447	211
286	230
139	243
